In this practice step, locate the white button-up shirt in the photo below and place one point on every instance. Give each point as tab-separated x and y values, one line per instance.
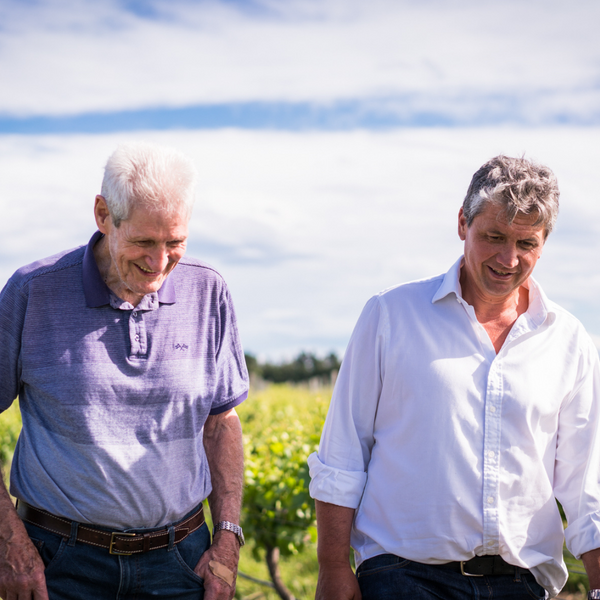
448	450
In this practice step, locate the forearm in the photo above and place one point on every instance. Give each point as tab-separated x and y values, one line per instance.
225	454
336	579
591	562
224	451
334	524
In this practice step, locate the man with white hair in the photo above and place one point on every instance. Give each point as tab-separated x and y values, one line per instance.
465	404
126	360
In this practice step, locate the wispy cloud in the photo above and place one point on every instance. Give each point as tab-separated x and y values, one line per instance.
331	63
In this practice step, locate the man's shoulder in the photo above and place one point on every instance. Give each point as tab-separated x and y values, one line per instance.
569	326
189	266
51	265
416	290
193	276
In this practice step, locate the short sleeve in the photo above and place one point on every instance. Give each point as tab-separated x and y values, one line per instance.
232	374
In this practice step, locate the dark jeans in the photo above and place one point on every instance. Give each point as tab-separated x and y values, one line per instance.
76	571
388	577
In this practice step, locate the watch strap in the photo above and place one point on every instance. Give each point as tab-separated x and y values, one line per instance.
229	526
594	594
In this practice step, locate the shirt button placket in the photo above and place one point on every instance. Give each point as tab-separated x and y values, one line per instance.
491	457
134	334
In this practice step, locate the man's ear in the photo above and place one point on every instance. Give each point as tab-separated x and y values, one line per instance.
101	213
462	225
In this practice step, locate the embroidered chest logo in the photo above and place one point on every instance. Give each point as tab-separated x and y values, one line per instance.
181	347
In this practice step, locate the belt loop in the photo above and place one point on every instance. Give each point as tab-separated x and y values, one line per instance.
517	574
73	536
171	538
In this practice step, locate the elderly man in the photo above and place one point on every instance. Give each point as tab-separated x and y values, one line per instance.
466	403
127	363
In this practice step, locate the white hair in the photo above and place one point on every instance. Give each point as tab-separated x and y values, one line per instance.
155	177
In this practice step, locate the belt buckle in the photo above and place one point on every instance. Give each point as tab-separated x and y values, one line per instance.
111	550
463	572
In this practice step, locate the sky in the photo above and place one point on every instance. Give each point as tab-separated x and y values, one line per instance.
335	139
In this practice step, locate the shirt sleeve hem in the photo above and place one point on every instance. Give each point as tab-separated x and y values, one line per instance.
583	535
335	486
232	404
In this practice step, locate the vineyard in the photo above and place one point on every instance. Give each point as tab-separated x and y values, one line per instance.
281	425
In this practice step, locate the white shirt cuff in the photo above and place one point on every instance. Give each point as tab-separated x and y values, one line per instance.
583	535
335	486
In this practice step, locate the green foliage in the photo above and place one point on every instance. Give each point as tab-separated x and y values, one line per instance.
10	427
298	571
282	426
304	367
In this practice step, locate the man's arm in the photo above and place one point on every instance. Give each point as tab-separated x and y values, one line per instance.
224	450
21	568
336	578
591	562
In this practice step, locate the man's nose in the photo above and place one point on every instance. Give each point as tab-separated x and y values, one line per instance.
508	256
158	259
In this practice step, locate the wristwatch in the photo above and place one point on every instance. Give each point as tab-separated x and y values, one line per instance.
230	527
594	595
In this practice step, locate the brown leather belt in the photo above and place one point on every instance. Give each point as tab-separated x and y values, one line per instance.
116	542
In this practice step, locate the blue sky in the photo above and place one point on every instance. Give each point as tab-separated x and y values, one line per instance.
334	138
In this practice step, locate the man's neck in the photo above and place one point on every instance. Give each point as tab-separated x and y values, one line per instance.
497	316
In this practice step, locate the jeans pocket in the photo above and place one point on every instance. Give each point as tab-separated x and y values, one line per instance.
381	564
50	546
534	589
190	550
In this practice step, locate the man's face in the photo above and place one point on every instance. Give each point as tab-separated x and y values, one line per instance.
143	250
499	257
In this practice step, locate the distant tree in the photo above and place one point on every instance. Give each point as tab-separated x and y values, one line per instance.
302	368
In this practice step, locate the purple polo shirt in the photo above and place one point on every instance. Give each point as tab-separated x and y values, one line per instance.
114	398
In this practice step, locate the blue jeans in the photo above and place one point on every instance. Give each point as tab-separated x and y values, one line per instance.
77	571
389	577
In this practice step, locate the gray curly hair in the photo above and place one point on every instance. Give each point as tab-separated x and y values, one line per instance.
519	186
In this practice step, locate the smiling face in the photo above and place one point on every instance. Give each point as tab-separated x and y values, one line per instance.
498	257
136	257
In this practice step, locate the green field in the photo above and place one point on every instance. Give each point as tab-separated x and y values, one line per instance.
281	427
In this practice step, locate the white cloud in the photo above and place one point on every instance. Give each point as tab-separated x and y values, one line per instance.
68	56
306	227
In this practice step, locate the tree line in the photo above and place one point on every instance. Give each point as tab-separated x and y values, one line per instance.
302	368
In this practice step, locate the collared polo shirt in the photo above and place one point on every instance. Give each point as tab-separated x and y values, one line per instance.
114	398
448	450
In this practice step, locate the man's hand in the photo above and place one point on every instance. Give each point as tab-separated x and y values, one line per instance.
225	551
337	582
21	568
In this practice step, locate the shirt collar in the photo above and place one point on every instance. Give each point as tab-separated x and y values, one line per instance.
539	305
97	293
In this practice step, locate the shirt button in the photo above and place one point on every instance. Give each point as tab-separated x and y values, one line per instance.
490	543
492	409
135	314
137	338
490	500
491	454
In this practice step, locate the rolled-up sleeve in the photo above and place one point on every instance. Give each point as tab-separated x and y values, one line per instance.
577	470
339	470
